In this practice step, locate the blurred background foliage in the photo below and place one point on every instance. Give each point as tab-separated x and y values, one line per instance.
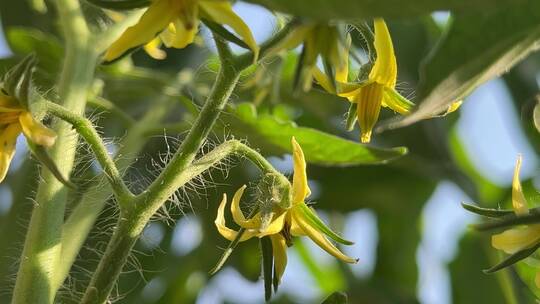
410	232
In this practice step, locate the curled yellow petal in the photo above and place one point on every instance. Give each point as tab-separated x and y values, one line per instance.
275	226
519	203
177	35
317	237
279	250
516	239
152	48
369	106
237	214
221	12
323	80
300	189
384	70
8	139
156	18
222	228
35	131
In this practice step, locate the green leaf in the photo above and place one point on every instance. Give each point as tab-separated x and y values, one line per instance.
274	136
25	41
337	297
476	48
355	9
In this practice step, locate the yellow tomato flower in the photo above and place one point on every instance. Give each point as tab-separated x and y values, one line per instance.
379	89
517	239
176	22
318	40
13	121
298	220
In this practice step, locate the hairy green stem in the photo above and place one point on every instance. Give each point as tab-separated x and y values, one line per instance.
82	218
88	132
42	248
178	172
132	222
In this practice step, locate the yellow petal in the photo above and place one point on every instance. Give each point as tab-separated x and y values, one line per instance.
351	90
384	70
319	238
237	214
222	228
323	80
156	18
300	189
177	35
369	106
537	279
279	250
519	203
153	49
8	139
8	102
516	239
35	131
275	226
221	12
395	101
342	70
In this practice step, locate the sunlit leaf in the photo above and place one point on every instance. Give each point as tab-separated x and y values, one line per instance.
320	148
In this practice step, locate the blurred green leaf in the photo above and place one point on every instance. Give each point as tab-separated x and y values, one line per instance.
24	41
274	136
477	47
354	9
336	298
469	283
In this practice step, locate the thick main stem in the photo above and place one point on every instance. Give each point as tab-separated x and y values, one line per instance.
42	248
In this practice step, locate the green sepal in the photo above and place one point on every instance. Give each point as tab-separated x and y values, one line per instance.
298	79
17	82
536	113
45	159
337	297
511	220
514	258
314	220
351	116
227	253
224	33
399	99
368	38
329	71
487	212
120	4
267	266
